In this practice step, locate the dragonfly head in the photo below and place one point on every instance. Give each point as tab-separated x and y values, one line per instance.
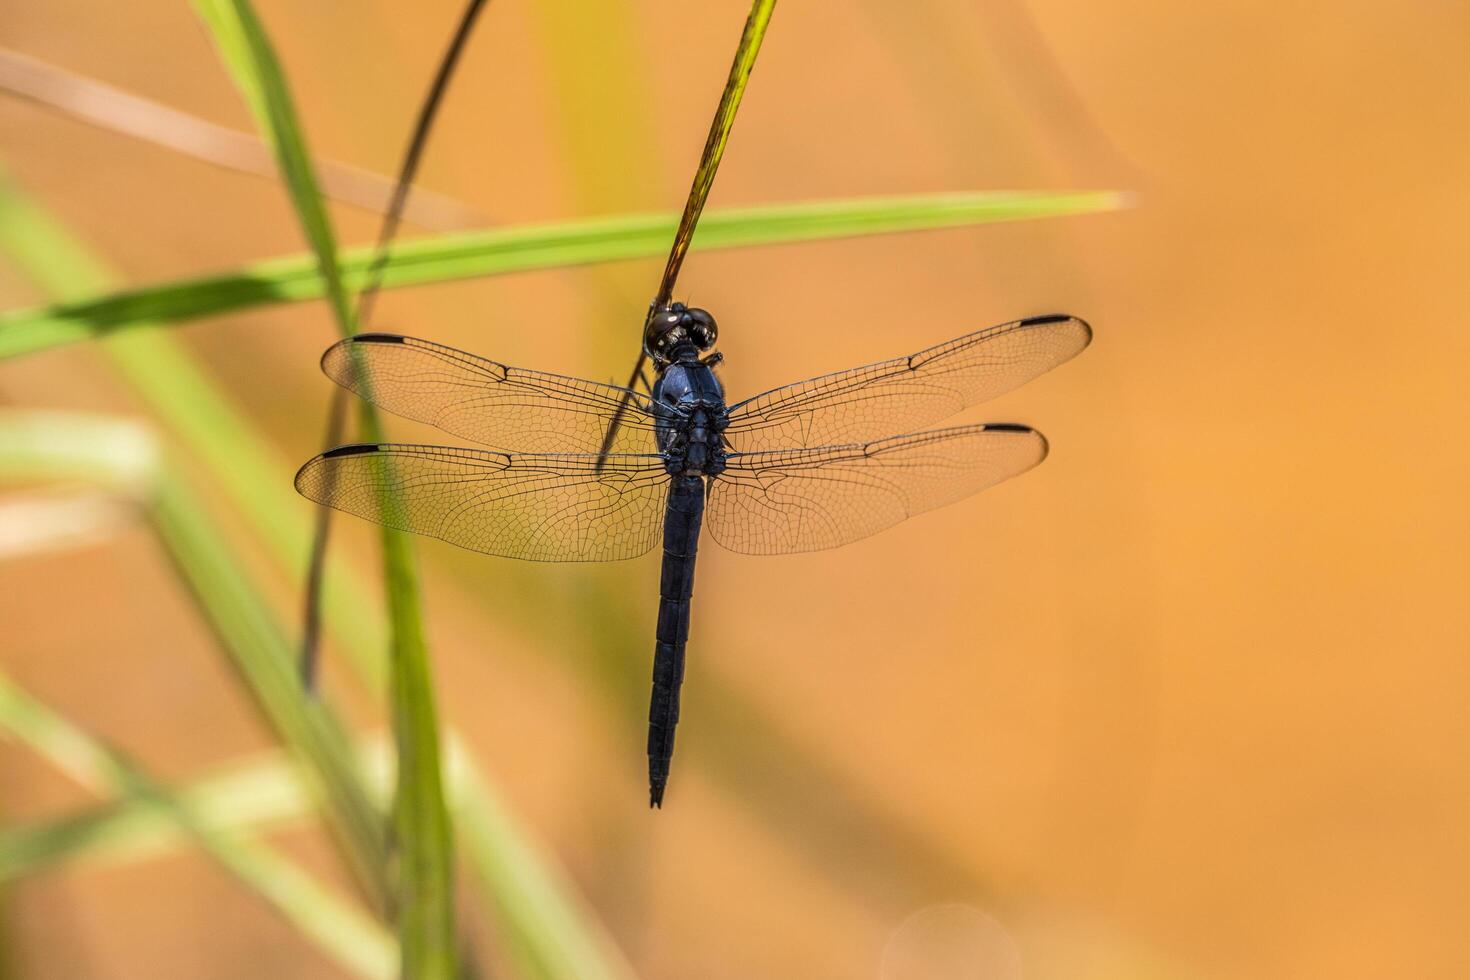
678	326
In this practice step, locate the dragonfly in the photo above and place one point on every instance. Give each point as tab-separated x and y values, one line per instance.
580	470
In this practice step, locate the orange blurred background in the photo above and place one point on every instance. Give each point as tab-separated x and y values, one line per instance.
1187	701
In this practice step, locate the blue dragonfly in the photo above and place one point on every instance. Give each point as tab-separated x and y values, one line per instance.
584	471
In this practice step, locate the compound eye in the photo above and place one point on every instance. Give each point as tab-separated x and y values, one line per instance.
702	329
662	330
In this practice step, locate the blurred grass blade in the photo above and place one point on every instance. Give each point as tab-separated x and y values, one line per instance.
546	927
54	445
501	251
125	832
261	793
41	445
105	106
552	936
40	523
355	941
253	476
424	896
264	655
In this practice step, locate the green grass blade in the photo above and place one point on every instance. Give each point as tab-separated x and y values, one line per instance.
253	477
334	926
420	816
506	250
425	879
714	146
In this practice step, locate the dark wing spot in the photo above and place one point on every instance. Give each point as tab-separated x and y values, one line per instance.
379	338
1036	321
1007	427
356	449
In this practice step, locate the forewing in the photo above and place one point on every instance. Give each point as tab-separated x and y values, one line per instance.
542	507
906	393
487	402
787	501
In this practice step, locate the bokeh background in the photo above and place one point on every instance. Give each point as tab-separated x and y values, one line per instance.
1187	701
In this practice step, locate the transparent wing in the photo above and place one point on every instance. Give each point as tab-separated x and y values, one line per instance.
793	500
906	393
536	507
487	402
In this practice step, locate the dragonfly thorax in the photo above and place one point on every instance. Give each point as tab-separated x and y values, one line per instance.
693	419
